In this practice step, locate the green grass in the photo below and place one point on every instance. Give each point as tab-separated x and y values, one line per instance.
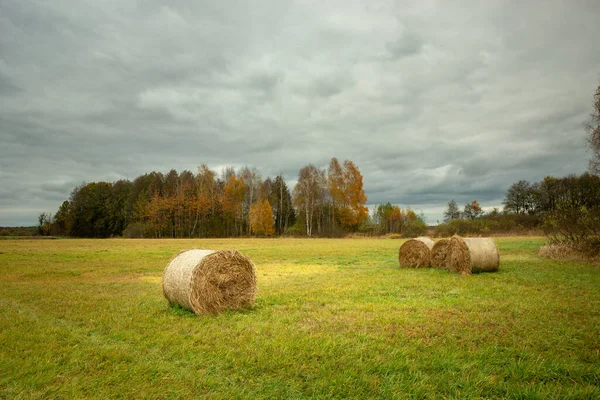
333	319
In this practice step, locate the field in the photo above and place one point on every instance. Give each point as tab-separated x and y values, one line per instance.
333	319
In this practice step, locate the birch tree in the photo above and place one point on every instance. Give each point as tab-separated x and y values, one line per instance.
309	193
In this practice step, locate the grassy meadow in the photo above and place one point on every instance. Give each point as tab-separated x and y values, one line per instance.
333	319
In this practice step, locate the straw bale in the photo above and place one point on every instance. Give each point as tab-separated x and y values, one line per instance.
468	255
209	281
438	253
415	253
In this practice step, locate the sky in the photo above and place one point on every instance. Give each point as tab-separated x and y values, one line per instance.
433	100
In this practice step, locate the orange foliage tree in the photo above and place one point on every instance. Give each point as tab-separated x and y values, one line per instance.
347	194
233	197
261	218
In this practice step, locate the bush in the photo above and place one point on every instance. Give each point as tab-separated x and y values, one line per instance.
134	230
367	227
414	228
573	215
298	229
466	226
575	226
498	223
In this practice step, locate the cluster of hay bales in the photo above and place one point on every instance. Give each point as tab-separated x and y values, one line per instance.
209	281
461	255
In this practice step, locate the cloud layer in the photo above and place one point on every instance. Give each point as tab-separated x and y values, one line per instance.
432	100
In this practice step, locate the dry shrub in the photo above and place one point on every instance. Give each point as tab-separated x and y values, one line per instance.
416	253
438	253
467	255
565	252
209	281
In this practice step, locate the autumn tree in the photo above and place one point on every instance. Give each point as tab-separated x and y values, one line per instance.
452	212
382	217
473	210
412	225
309	193
233	202
261	218
336	187
348	197
355	208
594	134
205	200
253	182
389	218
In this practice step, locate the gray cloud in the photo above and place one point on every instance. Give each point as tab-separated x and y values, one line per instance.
433	101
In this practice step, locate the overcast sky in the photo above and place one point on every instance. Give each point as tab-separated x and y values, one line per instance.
433	100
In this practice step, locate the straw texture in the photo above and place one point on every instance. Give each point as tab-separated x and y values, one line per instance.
468	255
209	281
416	253
439	252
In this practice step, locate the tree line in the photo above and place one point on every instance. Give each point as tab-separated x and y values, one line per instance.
206	204
328	202
567	209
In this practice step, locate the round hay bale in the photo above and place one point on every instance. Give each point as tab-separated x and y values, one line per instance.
415	253
209	281
467	255
438	253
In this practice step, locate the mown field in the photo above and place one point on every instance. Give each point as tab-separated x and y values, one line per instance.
333	319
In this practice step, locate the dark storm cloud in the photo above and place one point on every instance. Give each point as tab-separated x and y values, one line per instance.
433	101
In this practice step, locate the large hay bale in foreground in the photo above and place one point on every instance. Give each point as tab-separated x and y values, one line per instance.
209	281
467	255
438	253
416	253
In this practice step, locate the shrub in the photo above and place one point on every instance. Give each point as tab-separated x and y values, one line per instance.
465	227
414	228
134	230
298	229
575	226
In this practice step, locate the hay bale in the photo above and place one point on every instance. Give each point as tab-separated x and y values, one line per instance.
416	253
438	253
209	281
467	255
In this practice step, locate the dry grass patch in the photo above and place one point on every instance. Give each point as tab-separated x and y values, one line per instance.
565	252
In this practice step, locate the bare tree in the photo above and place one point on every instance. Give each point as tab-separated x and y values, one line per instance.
452	212
253	182
309	193
593	128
